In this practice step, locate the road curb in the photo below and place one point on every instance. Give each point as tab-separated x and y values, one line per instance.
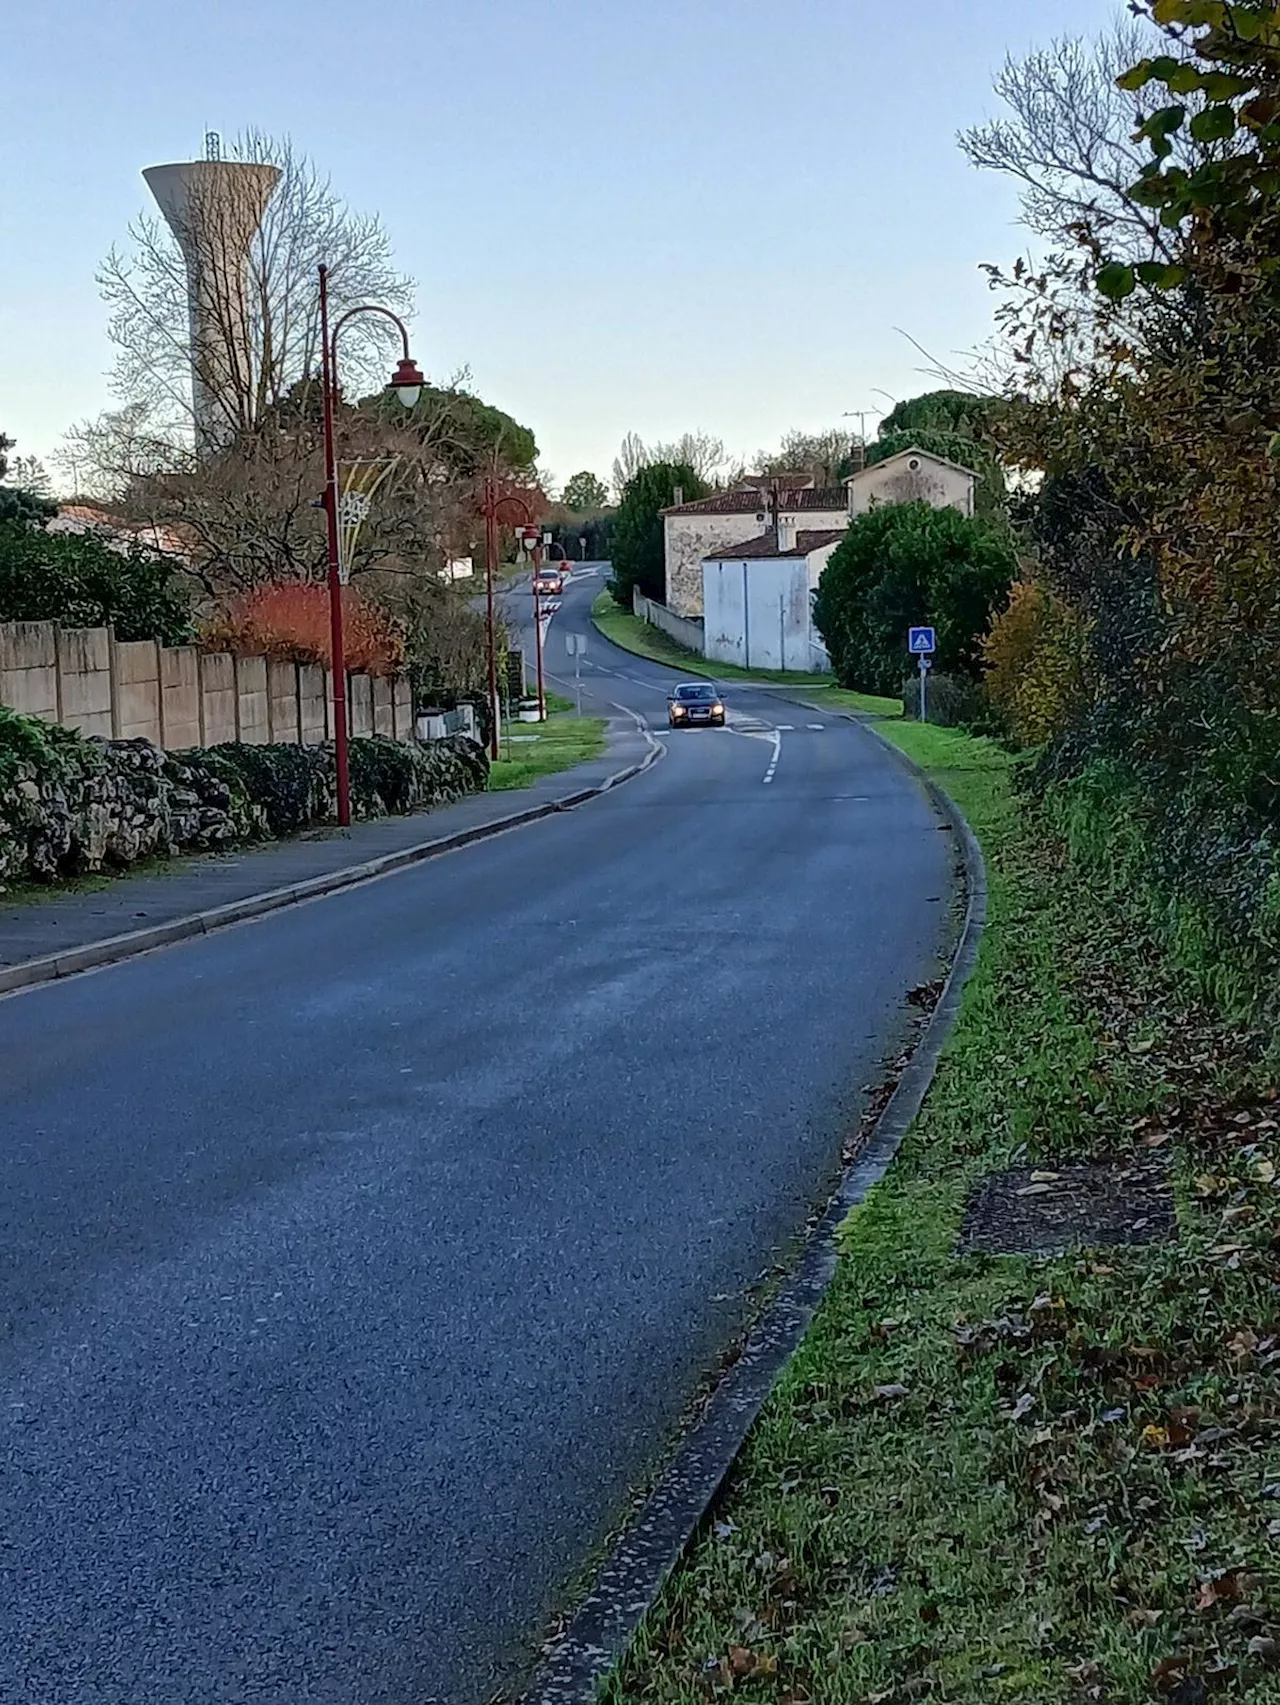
654	1541
114	949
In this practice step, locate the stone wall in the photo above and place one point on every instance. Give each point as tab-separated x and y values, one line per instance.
178	697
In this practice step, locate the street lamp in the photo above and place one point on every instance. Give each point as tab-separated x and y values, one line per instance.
491	502
407	383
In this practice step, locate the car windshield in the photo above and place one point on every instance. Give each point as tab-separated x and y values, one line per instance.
696	693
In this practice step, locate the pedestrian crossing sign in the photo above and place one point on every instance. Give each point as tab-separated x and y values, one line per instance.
920	641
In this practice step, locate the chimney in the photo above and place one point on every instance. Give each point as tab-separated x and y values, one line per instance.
677	496
786	532
857	457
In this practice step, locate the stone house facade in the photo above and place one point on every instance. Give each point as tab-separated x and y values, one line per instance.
693	531
912	476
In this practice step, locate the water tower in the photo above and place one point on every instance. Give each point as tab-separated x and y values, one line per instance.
214	207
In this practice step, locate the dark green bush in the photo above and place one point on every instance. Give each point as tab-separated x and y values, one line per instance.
291	784
79	580
951	701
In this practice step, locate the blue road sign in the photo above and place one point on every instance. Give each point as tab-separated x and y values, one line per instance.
920	641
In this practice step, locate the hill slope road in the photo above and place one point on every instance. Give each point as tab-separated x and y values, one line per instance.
360	1259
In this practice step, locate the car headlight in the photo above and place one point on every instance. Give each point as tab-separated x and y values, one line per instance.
677	710
717	710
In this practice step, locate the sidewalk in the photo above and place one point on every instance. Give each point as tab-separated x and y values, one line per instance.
46	937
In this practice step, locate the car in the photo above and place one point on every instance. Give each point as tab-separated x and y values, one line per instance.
695	702
548	584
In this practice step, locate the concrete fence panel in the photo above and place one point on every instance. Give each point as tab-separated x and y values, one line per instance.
29	668
282	695
218	697
384	721
253	710
137	690
312	704
179	697
402	708
85	670
360	699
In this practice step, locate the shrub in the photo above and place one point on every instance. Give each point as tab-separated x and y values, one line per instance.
951	701
1037	657
906	563
291	621
639	553
81	581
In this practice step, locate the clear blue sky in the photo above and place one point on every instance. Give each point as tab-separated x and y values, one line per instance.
644	215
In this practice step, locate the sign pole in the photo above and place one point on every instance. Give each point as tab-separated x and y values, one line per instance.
924	679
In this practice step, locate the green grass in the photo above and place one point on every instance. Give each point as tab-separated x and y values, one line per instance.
559	743
979	1479
631	634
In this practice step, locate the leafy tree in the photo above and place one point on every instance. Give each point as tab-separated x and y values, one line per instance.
6	444
19	504
955	413
585	492
638	547
902	564
81	581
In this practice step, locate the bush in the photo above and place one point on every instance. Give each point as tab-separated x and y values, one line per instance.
81	581
1037	657
639	551
291	621
951	701
70	804
902	564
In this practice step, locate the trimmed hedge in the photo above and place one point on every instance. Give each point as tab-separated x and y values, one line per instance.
71	805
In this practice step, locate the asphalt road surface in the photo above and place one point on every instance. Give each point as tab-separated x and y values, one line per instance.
356	1262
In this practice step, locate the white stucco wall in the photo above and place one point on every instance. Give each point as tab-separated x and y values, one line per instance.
757	614
689	538
912	478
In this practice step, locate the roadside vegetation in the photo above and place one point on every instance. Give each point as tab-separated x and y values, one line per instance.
531	750
991	1476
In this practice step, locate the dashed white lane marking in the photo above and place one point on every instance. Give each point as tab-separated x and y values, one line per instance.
773	761
817	726
785	727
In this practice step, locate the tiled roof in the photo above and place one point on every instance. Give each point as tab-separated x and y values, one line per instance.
751	502
767	546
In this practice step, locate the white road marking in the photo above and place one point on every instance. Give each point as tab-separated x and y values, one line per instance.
786	727
773	761
818	726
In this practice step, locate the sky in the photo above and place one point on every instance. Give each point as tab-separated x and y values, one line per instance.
621	215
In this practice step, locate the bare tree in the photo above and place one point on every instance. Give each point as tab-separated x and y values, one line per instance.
701	451
261	336
1068	141
820	455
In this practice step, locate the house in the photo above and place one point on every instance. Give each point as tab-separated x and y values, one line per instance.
691	531
121	535
757	597
912	476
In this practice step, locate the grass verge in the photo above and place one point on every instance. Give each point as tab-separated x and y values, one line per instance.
543	749
995	1477
631	634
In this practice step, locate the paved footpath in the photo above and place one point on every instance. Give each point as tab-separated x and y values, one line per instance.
37	928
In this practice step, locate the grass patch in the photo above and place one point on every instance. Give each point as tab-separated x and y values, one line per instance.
631	634
559	743
993	1478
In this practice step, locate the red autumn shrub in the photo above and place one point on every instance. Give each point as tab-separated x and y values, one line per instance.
290	621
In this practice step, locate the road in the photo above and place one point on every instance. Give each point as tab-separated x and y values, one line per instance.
358	1261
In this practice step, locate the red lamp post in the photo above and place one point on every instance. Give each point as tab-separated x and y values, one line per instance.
491	502
407	383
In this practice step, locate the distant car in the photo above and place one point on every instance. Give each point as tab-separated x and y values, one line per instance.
695	701
548	584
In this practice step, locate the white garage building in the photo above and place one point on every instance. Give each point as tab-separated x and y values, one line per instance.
757	599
